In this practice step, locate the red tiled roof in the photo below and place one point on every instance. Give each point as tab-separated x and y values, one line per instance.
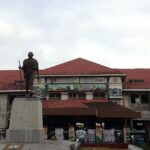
8	78
79	66
101	108
136	74
73	103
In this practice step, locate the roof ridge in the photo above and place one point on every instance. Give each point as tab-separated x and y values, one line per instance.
80	66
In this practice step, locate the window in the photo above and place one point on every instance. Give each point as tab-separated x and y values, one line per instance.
98	95
81	95
72	95
137	81
134	97
144	98
55	95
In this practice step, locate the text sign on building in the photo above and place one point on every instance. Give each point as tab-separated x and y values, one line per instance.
93	80
115	80
77	80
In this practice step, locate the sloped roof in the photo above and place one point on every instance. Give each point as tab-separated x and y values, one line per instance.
136	74
79	66
100	108
8	78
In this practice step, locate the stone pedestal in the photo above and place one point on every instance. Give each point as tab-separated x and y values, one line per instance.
26	124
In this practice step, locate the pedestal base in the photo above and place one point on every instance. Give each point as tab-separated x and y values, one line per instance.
26	124
24	136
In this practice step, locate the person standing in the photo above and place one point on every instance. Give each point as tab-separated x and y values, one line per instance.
30	68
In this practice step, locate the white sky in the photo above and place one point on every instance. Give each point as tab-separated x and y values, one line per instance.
114	33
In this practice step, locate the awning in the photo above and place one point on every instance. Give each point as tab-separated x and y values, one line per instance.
100	108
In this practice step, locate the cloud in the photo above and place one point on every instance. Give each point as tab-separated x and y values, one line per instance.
112	33
7	30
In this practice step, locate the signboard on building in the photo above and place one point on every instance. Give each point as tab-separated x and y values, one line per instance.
93	80
115	87
70	84
115	80
76	80
76	87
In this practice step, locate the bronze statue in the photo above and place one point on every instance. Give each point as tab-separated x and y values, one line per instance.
30	68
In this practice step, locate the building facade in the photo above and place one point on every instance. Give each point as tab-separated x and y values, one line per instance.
81	91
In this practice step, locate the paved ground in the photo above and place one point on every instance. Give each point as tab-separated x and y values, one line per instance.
46	145
132	147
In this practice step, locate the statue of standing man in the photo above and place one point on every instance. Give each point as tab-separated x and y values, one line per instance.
30	68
